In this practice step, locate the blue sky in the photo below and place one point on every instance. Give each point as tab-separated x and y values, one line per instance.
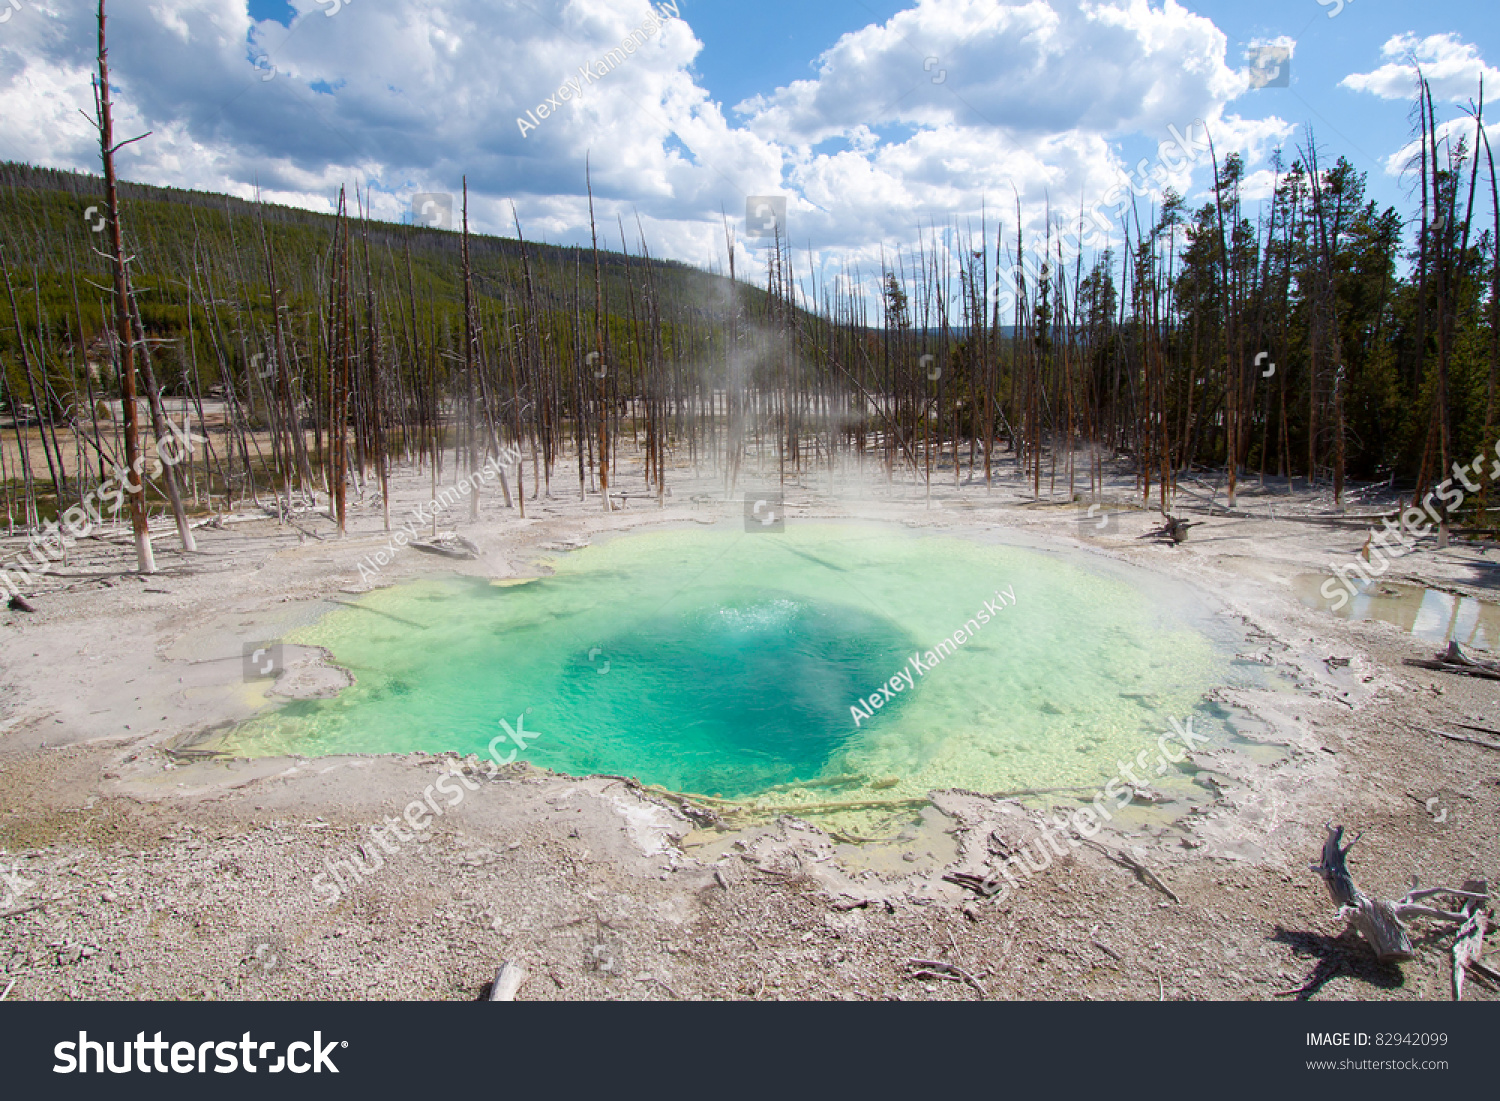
871	117
1356	125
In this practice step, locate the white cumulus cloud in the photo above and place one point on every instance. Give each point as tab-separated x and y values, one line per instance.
947	107
1452	67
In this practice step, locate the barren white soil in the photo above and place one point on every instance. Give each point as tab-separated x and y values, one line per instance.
133	871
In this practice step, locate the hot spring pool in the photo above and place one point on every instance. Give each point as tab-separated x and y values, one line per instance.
720	662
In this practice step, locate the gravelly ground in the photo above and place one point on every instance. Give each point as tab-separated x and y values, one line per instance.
131	873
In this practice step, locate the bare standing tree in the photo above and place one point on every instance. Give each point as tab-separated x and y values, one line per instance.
104	120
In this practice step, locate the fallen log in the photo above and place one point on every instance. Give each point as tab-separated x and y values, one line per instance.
449	545
1479	967
1448	667
1480	729
1454	660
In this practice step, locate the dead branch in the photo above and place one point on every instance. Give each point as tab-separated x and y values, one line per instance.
1454	660
936	969
507	981
1468	946
1481	968
983	886
1174	530
1125	860
1465	738
1447	667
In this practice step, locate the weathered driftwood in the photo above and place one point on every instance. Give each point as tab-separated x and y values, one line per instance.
1376	920
1449	667
1468	946
1454	660
1479	967
449	545
1174	529
507	981
1381	923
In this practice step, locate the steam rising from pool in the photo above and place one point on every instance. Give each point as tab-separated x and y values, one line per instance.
726	663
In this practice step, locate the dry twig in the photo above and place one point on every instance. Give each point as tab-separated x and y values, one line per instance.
936	969
1124	859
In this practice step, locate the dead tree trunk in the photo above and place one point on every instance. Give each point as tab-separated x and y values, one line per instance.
145	561
1378	921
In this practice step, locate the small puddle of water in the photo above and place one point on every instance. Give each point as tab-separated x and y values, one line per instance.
1427	613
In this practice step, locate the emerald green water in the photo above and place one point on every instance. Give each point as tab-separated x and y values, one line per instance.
724	662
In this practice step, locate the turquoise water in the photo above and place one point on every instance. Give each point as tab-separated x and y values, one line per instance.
726	663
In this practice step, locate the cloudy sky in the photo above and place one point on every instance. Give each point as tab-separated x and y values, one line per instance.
870	116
